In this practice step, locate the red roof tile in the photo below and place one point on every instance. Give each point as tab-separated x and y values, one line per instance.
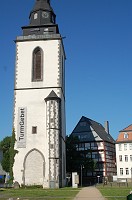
127	130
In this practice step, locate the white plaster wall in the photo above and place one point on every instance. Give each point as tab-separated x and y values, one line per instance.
123	164
33	99
36	116
50	63
96	136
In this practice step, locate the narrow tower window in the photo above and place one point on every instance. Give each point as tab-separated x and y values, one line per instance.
37	65
34	129
35	15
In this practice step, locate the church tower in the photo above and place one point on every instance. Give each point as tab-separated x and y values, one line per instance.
39	101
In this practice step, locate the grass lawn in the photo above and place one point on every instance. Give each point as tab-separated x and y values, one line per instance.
38	193
115	192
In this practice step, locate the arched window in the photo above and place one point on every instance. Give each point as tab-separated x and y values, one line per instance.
37	65
35	15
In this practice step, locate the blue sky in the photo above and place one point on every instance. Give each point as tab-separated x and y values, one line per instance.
98	47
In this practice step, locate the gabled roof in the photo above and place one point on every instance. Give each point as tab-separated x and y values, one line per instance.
125	135
97	127
128	128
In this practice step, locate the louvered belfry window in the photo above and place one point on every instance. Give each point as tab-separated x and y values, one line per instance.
37	65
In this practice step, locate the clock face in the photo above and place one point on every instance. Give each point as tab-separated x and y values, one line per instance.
45	14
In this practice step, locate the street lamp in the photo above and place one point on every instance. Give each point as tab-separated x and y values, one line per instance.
98	178
81	173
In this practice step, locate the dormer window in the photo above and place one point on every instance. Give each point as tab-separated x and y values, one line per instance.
35	15
125	135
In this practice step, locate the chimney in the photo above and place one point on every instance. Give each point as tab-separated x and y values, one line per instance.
106	126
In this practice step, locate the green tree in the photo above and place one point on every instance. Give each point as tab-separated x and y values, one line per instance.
72	155
76	158
5	147
12	155
88	162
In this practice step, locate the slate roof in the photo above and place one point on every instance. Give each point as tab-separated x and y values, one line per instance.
51	96
42	5
98	128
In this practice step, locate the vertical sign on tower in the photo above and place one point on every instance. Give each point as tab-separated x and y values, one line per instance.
22	119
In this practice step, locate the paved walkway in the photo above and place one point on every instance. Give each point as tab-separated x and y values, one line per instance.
89	193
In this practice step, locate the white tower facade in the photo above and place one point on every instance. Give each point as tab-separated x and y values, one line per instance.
39	101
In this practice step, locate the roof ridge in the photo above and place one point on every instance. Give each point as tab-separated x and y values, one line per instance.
125	128
93	121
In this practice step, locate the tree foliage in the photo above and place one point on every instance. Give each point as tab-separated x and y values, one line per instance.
5	147
76	158
12	155
72	155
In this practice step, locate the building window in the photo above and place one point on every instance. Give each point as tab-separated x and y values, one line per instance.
125	147
121	171
94	155
131	158
34	129
35	15
81	147
130	146
120	147
37	72
87	146
127	171
126	158
125	135
120	158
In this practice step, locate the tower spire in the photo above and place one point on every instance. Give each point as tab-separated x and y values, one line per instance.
42	13
42	20
42	5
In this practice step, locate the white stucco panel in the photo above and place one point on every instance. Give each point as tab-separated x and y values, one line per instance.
50	63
